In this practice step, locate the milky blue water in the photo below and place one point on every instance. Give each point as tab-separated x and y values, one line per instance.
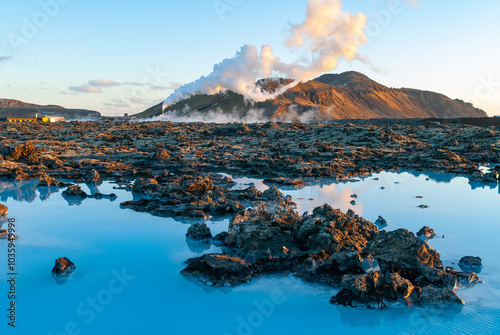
127	279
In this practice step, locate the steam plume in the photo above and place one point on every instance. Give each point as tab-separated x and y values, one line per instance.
328	34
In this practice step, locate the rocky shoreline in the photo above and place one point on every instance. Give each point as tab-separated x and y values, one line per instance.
339	150
174	168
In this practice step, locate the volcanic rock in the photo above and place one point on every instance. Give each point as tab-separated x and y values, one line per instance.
74	191
373	290
331	230
400	251
3	210
471	264
200	232
426	233
62	270
430	296
218	270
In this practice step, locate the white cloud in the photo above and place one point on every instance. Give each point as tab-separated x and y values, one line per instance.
328	35
85	89
103	83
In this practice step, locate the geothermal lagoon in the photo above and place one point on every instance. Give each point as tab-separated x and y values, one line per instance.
127	278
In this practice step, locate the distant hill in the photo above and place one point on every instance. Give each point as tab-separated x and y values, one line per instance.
349	95
16	108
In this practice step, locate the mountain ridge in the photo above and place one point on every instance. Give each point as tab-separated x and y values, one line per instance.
347	95
18	108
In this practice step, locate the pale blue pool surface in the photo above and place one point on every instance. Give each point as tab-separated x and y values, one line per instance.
153	298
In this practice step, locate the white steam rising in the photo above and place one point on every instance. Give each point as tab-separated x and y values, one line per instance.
328	34
252	115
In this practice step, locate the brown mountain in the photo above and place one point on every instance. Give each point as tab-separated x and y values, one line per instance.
16	108
349	95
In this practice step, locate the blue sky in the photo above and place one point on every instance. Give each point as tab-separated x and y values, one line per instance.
143	50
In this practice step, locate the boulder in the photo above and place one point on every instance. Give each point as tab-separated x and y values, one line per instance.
400	251
426	233
264	231
331	230
373	290
3	210
431	296
471	264
74	191
62	270
218	270
471	261
200	232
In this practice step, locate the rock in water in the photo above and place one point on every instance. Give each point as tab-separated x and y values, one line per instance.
372	290
62	270
199	232
471	264
400	251
3	210
74	191
430	295
330	230
93	177
218	270
426	233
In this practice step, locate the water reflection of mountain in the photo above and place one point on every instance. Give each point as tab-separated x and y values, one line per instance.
24	191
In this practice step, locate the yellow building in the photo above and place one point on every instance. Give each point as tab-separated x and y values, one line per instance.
21	119
53	119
